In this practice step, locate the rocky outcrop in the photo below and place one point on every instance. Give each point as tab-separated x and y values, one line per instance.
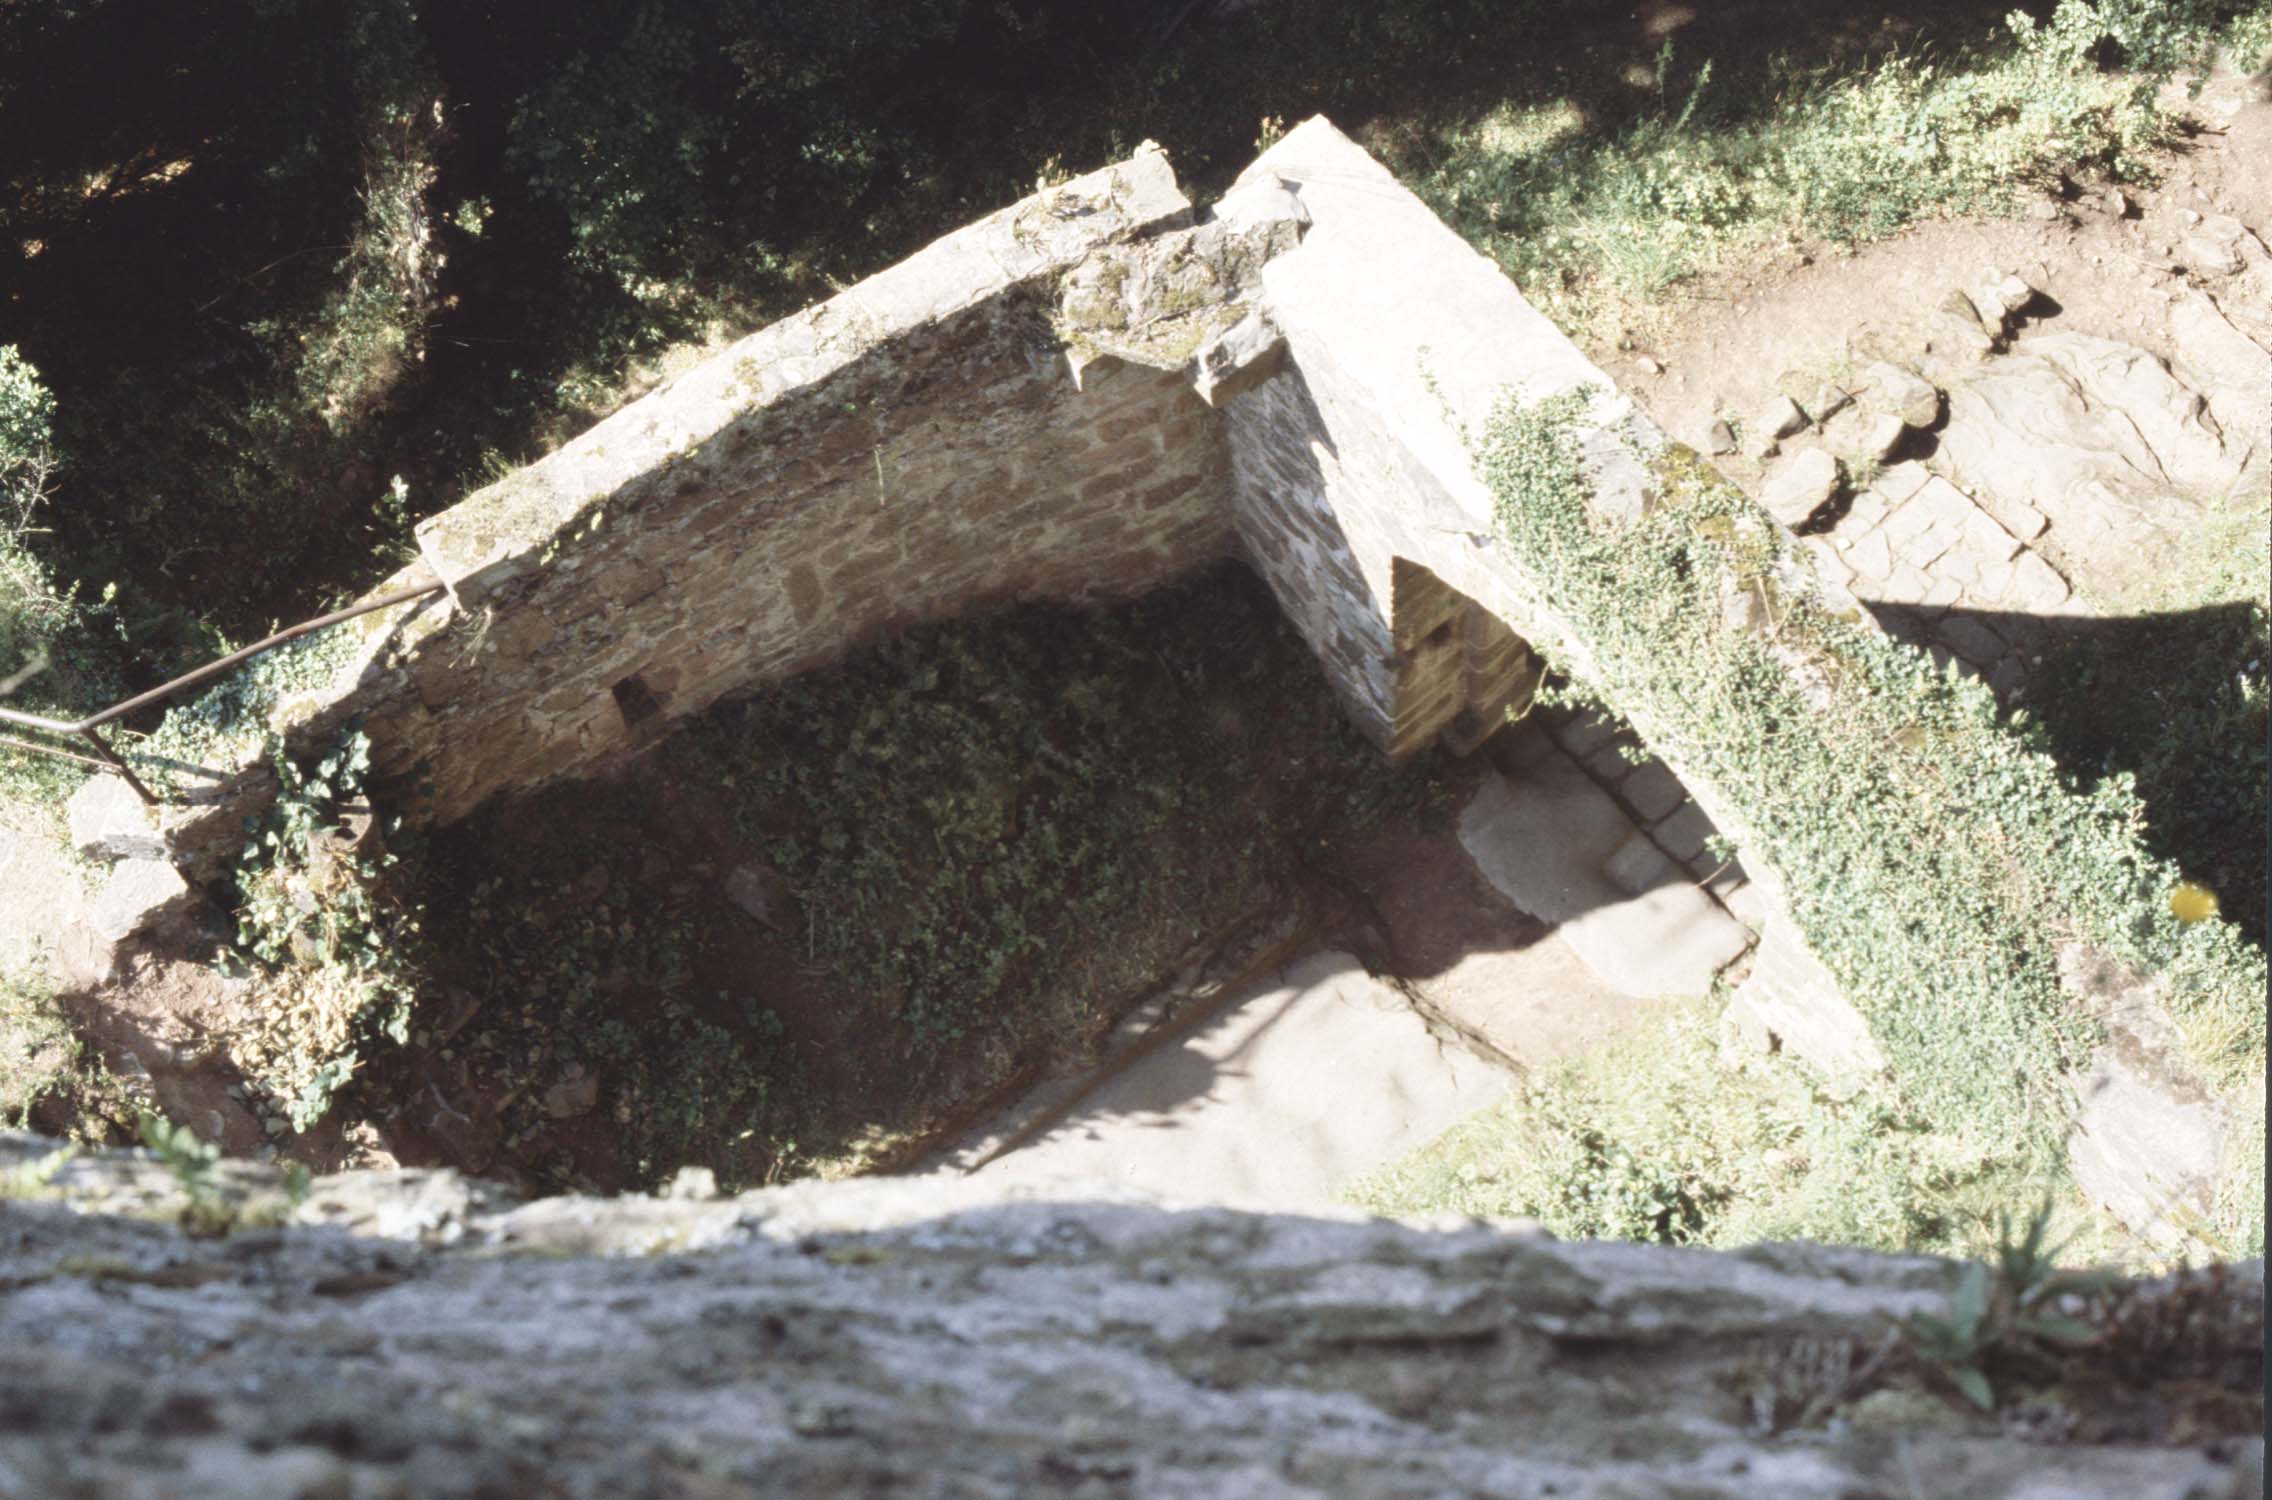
416	1334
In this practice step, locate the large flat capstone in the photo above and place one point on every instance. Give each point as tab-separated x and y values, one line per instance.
1298	1088
1547	842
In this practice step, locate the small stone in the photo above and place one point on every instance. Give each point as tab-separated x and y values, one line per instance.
1988	308
574	1095
691	1185
1864	438
1647	366
1639	867
1871	557
1741	611
2043	210
2189	217
1960	338
1904	393
274	1125
1683	834
1881	435
141	895
2212	256
2036	585
2115	202
1903	480
109	821
1798	486
1239	358
1827	401
763	894
1719	438
1653	791
1777	420
2012	294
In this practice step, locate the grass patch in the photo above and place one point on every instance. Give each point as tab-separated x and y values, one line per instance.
2175	700
1666	1136
1595	211
51	1082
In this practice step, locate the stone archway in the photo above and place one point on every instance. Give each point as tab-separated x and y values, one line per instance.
1460	672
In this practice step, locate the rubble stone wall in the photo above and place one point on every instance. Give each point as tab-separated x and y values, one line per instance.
914	448
415	1333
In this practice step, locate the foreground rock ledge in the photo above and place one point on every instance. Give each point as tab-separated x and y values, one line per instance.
417	1335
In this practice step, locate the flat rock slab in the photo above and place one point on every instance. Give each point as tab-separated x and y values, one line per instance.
109	820
1296	1089
1546	843
1799	485
43	907
2103	439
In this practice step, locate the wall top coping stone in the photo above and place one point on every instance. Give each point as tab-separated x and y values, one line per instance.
1393	300
502	533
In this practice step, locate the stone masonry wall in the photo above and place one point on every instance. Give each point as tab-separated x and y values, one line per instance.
915	448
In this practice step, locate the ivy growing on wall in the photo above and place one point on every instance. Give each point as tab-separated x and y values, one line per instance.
1931	851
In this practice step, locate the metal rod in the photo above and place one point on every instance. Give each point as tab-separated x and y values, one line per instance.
214	669
102	748
110	758
12	743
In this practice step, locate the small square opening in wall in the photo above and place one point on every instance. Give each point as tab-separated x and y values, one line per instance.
635	701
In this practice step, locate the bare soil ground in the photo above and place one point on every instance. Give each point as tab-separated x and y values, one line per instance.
1723	342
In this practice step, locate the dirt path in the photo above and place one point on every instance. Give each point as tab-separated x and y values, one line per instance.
2117	268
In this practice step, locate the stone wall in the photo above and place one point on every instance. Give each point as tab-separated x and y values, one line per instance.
1077	398
1356	497
417	1334
914	448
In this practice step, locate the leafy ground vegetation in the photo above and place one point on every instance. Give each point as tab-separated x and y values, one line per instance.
1597	214
896	888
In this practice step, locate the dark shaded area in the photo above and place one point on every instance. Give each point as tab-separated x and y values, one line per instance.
287	250
2178	701
856	908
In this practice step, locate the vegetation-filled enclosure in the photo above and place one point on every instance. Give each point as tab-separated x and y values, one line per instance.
280	277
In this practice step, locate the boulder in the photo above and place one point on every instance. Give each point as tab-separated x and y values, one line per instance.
1864	438
143	898
1907	395
110	821
416	1333
2214	247
2100	437
1239	358
1777	420
2150	1134
1799	485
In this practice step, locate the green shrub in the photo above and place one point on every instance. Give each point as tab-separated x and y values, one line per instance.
331	951
53	658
